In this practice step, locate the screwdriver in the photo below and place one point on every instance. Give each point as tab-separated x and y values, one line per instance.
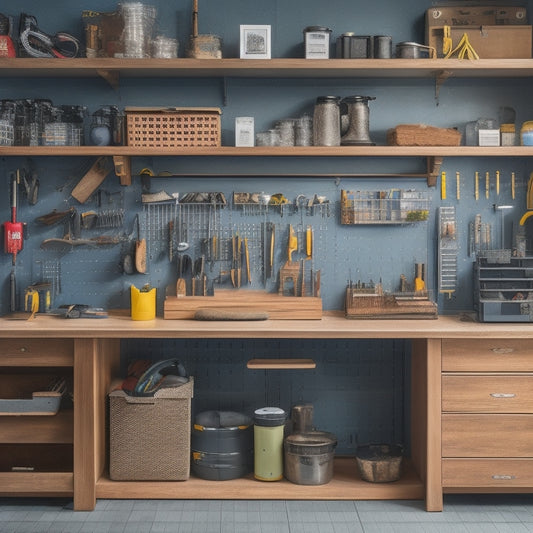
512	185
476	191
487	184
443	186
458	185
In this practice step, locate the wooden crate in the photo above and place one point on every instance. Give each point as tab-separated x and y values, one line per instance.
278	307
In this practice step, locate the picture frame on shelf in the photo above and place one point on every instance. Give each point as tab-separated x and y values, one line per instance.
255	41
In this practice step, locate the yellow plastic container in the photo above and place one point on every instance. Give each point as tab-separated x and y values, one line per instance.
143	304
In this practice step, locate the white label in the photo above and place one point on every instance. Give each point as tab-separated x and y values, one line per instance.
244	131
316	45
489	137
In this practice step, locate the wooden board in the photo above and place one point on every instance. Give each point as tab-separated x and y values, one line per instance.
278	307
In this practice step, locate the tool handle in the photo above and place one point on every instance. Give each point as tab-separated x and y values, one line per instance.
195	18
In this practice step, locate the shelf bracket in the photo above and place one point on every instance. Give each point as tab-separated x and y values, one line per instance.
123	168
433	169
224	91
111	76
440	77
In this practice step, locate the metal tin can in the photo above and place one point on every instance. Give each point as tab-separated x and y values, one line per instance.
351	46
382	46
317	42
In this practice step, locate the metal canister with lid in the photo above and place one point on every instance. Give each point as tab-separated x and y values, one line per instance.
317	42
327	121
269	425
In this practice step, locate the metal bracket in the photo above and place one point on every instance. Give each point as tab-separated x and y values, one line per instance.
440	77
433	169
111	76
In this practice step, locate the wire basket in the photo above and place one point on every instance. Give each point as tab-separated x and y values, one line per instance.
173	127
394	206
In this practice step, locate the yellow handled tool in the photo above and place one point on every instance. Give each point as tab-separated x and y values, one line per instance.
309	242
458	185
497	183
293	243
513	185
487	184
476	187
31	300
443	186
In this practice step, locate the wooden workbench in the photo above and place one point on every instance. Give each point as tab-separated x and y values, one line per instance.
91	350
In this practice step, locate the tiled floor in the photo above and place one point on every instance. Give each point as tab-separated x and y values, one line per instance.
462	514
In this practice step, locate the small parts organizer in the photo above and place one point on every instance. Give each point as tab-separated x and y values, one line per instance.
394	206
173	127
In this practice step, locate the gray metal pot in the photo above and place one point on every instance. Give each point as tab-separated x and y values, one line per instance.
309	457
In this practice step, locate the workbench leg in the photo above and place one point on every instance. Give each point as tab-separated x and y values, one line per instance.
426	417
96	361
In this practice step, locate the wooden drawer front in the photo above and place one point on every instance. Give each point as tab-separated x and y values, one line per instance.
487	355
55	429
503	473
487	393
36	352
487	435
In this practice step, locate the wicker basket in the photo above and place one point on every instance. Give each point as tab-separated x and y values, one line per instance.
173	127
150	437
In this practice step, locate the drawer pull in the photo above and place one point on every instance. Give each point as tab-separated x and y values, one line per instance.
23	349
502	351
503	395
503	477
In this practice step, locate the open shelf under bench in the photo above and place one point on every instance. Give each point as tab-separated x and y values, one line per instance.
345	485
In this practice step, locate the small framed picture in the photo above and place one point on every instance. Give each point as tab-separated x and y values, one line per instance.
255	41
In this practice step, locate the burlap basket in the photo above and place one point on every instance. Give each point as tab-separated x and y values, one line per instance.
150	437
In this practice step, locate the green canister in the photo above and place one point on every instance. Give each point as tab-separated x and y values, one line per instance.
269	425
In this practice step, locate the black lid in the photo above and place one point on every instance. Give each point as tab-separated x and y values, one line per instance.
316	28
326	99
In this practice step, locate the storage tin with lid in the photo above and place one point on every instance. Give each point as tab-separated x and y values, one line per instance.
269	425
317	42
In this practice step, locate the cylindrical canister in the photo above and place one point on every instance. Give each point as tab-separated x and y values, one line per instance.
382	46
269	424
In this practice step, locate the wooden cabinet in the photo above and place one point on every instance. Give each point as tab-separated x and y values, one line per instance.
36	451
487	414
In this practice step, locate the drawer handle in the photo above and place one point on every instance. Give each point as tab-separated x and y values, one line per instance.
502	395
502	351
503	477
23	349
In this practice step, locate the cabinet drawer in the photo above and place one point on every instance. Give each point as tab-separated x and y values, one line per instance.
505	473
36	352
483	435
487	355
501	393
56	429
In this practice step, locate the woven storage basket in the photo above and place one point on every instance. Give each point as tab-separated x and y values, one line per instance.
173	127
150	437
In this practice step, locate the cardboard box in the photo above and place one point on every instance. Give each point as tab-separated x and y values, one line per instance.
150	436
490	42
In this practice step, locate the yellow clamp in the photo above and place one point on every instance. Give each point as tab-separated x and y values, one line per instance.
463	48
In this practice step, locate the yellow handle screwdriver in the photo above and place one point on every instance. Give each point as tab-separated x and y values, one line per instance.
487	184
443	186
497	183
476	190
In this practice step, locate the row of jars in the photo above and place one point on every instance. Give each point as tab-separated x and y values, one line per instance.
38	122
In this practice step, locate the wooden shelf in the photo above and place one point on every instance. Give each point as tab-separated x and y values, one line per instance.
345	485
264	68
274	151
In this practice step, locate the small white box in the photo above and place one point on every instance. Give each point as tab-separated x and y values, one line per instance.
489	138
244	131
316	44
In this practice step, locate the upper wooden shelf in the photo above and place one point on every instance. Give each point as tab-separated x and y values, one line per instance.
265	68
274	151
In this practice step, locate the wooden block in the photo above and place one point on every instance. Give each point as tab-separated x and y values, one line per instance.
278	307
423	135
